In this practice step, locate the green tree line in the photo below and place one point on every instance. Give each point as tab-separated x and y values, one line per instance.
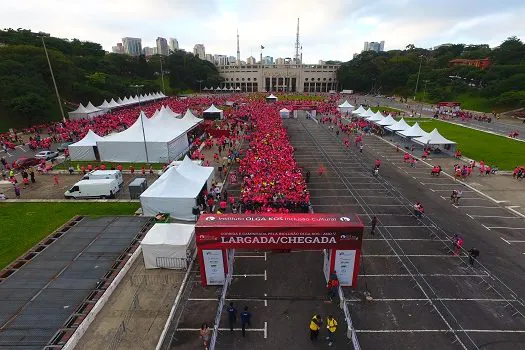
500	87
83	72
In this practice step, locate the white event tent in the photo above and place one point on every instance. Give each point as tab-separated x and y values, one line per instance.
359	111
80	113
176	190
414	131
400	125
166	241
85	149
433	138
105	106
271	98
285	113
386	121
367	114
162	144
213	113
376	117
345	107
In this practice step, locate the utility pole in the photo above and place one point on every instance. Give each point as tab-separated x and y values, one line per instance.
418	73
54	82
162	75
142	120
200	81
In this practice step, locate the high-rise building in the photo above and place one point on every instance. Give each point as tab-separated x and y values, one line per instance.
173	44
267	60
321	62
374	46
162	46
149	51
220	60
280	60
209	57
199	51
232	60
250	60
132	46
118	49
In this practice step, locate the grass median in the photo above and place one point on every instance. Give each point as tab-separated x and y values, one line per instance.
25	224
125	166
495	150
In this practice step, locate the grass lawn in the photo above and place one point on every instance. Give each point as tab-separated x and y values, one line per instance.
495	150
25	224
125	166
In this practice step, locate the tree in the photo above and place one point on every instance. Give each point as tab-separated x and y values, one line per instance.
30	106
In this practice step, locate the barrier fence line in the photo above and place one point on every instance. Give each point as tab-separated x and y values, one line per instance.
169	321
220	307
351	333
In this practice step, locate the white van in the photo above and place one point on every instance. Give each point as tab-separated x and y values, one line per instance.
105	174
98	188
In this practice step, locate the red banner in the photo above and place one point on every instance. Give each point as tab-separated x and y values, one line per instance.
279	231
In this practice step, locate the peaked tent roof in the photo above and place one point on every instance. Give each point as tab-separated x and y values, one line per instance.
433	138
104	105
284	110
194	172
172	184
90	139
272	96
190	117
80	109
119	101
345	105
92	108
113	104
213	109
386	121
414	131
398	126
238	89
360	110
375	118
367	113
378	114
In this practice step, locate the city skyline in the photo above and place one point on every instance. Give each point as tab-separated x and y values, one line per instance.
335	31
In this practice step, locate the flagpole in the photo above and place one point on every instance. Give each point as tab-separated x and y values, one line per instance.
263	80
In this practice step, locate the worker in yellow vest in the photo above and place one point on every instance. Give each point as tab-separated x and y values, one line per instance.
331	325
315	326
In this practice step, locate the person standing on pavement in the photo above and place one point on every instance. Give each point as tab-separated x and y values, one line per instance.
373	223
331	325
473	255
205	334
32	175
232	316
246	318
315	326
333	286
17	191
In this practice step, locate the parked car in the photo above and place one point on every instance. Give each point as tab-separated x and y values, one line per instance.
46	155
64	146
25	162
99	188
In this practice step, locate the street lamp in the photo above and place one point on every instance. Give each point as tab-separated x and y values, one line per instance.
54	82
137	87
200	81
418	73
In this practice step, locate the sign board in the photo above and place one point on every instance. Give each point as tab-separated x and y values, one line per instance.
279	231
344	266
214	267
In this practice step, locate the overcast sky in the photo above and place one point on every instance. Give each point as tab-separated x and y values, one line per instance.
330	29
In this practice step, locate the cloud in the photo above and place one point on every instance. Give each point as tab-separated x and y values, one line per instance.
329	29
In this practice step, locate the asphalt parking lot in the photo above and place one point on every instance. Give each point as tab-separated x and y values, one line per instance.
424	295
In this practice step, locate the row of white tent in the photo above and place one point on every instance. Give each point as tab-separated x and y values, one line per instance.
401	128
176	190
218	88
158	139
90	111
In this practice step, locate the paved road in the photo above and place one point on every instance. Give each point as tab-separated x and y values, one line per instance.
425	296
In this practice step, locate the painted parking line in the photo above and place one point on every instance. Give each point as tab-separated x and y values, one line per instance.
251	275
447	190
368	204
250	256
510	241
494	216
435	299
425	275
463	198
438	331
506	228
413	255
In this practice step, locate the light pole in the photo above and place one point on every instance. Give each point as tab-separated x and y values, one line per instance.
54	82
162	75
137	87
287	62
200	81
418	73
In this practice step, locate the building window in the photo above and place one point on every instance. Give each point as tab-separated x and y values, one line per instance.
254	79
242	79
249	79
305	79
237	79
329	79
324	79
318	79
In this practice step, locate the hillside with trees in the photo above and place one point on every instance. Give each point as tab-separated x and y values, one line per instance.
83	72
499	87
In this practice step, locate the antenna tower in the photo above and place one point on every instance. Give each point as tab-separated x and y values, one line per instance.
297	45
238	50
